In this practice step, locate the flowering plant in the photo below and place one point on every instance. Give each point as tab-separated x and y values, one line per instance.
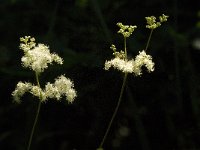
37	58
134	66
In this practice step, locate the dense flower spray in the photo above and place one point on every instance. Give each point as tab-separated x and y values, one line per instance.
121	62
37	57
133	66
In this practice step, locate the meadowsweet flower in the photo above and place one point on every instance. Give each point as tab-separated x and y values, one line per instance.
126	30
132	66
143	60
120	54
62	86
152	23
70	95
37	57
20	90
27	44
38	92
52	91
163	18
120	64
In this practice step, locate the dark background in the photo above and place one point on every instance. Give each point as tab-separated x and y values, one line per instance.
159	111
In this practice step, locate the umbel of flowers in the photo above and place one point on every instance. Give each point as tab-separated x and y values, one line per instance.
37	57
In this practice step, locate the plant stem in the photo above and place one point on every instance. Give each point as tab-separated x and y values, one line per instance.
36	117
115	111
148	40
125	51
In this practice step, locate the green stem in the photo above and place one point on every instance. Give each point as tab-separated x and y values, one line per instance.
148	40
125	51
115	111
36	117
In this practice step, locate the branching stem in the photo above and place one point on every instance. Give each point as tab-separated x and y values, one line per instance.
37	114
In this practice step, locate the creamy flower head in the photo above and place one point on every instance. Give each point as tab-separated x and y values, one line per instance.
62	86
143	60
37	57
132	66
20	90
38	92
120	64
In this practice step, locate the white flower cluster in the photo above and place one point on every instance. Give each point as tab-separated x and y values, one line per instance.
37	57
20	90
132	66
61	86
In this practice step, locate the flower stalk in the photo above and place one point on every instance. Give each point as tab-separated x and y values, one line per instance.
115	112
149	38
36	116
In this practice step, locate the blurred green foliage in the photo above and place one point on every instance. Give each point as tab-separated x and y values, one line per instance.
159	110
